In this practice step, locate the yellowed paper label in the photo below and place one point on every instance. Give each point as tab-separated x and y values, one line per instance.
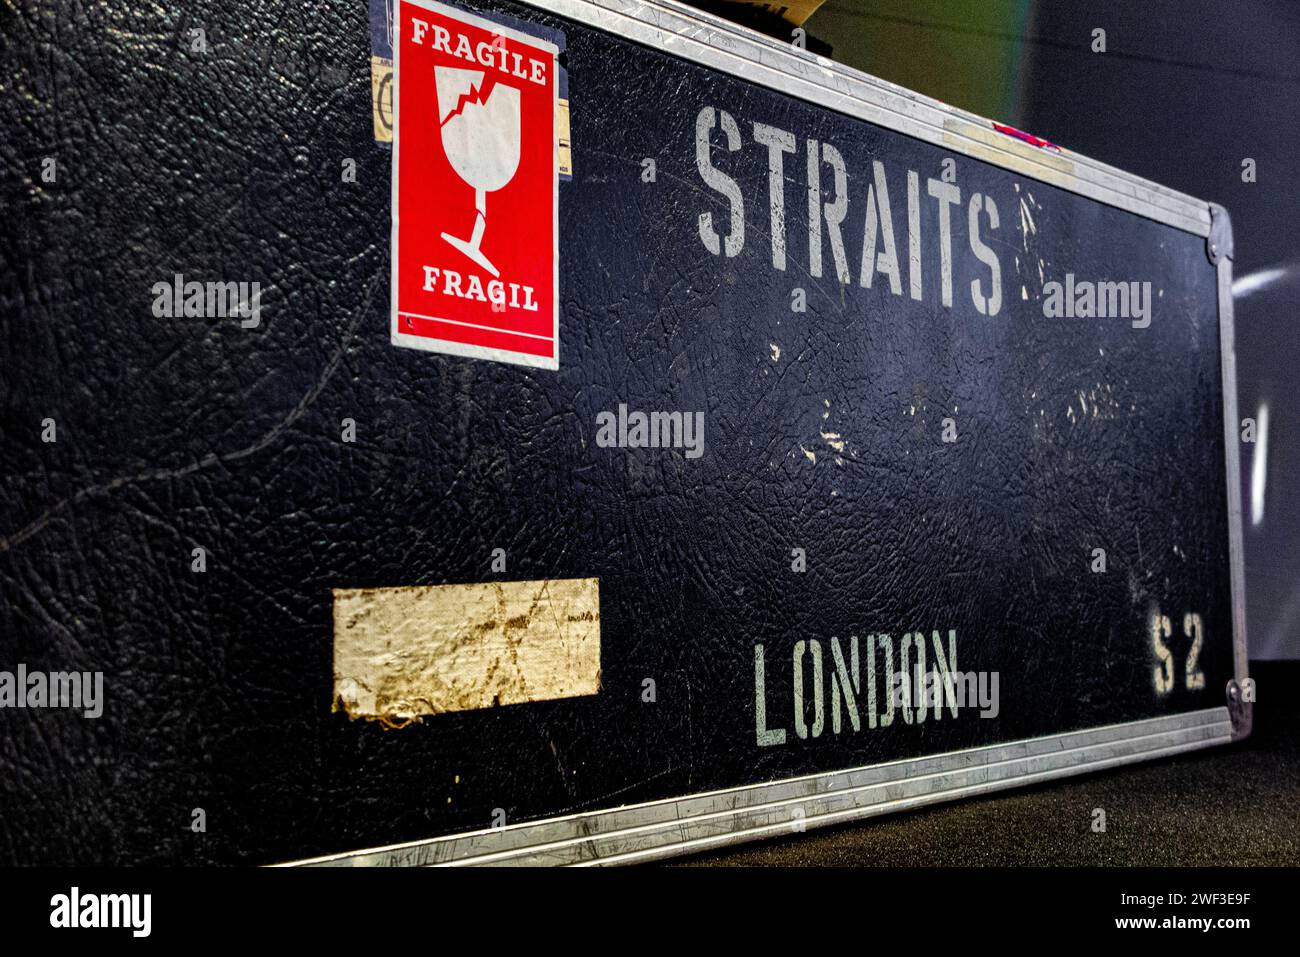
381	98
562	135
401	653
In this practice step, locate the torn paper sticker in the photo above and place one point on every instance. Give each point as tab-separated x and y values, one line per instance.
401	653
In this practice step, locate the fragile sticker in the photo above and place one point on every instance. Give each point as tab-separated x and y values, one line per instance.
475	187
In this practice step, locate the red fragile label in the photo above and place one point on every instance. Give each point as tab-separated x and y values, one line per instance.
475	190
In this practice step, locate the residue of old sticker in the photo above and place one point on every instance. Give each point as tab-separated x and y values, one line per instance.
563	140
404	653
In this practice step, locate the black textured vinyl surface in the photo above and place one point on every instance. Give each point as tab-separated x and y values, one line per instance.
176	434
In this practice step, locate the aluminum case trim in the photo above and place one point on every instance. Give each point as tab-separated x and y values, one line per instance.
672	826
